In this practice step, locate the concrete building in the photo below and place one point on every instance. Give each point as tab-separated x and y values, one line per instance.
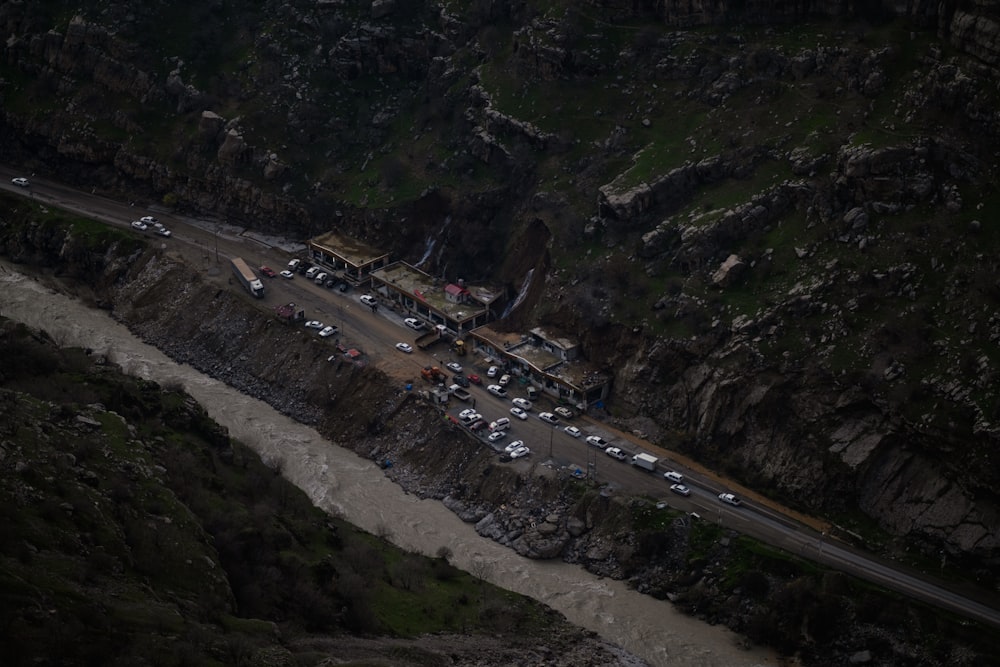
459	307
350	258
547	360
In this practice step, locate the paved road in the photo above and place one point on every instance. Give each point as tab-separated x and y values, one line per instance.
208	244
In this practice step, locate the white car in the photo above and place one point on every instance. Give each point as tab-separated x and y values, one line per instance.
514	444
294	264
140	225
549	418
565	413
287	274
504	380
314	324
501	424
368	300
680	489
326	332
413	323
454	366
573	431
492	372
597	441
149	220
519	413
497	436
163	231
730	499
672	476
20	181
497	390
472	417
465	413
522	403
519	452
404	347
615	453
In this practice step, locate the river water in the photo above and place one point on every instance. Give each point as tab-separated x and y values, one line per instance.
355	489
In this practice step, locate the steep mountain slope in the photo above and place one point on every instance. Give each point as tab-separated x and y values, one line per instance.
772	222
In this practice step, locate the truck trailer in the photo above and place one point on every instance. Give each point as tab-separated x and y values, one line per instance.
645	461
247	277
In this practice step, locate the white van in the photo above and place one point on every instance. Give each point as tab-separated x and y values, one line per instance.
501	424
673	476
311	272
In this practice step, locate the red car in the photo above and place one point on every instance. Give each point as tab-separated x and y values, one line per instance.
474	379
268	271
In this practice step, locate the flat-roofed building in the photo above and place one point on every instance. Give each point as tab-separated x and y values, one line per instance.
459	307
353	259
549	361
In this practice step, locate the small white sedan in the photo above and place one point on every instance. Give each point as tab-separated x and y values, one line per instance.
454	366
522	403
314	324
519	413
287	274
465	413
20	181
149	220
513	445
497	436
548	417
140	225
404	347
573	431
519	452
413	323
492	372
680	489
326	332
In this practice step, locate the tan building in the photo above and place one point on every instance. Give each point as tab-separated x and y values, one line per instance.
352	259
459	307
548	361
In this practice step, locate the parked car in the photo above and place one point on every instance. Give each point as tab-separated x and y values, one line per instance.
501	424
461	381
514	444
149	220
413	323
328	331
519	452
598	441
615	453
673	476
140	225
477	425
343	287
549	418
730	499
565	413
519	413
469	416
466	412
497	390
573	431
522	403
504	380
330	283
475	379
163	231
492	372
20	181
497	436
680	489
454	366
294	264
404	347
369	300
314	324
320	278
287	274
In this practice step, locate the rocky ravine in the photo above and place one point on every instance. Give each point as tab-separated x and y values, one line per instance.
828	330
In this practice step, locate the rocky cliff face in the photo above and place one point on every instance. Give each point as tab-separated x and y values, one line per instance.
763	215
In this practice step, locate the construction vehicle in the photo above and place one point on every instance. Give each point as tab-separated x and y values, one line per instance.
427	339
459	347
247	277
433	374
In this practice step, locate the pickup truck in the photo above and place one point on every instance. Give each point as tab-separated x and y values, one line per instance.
459	393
